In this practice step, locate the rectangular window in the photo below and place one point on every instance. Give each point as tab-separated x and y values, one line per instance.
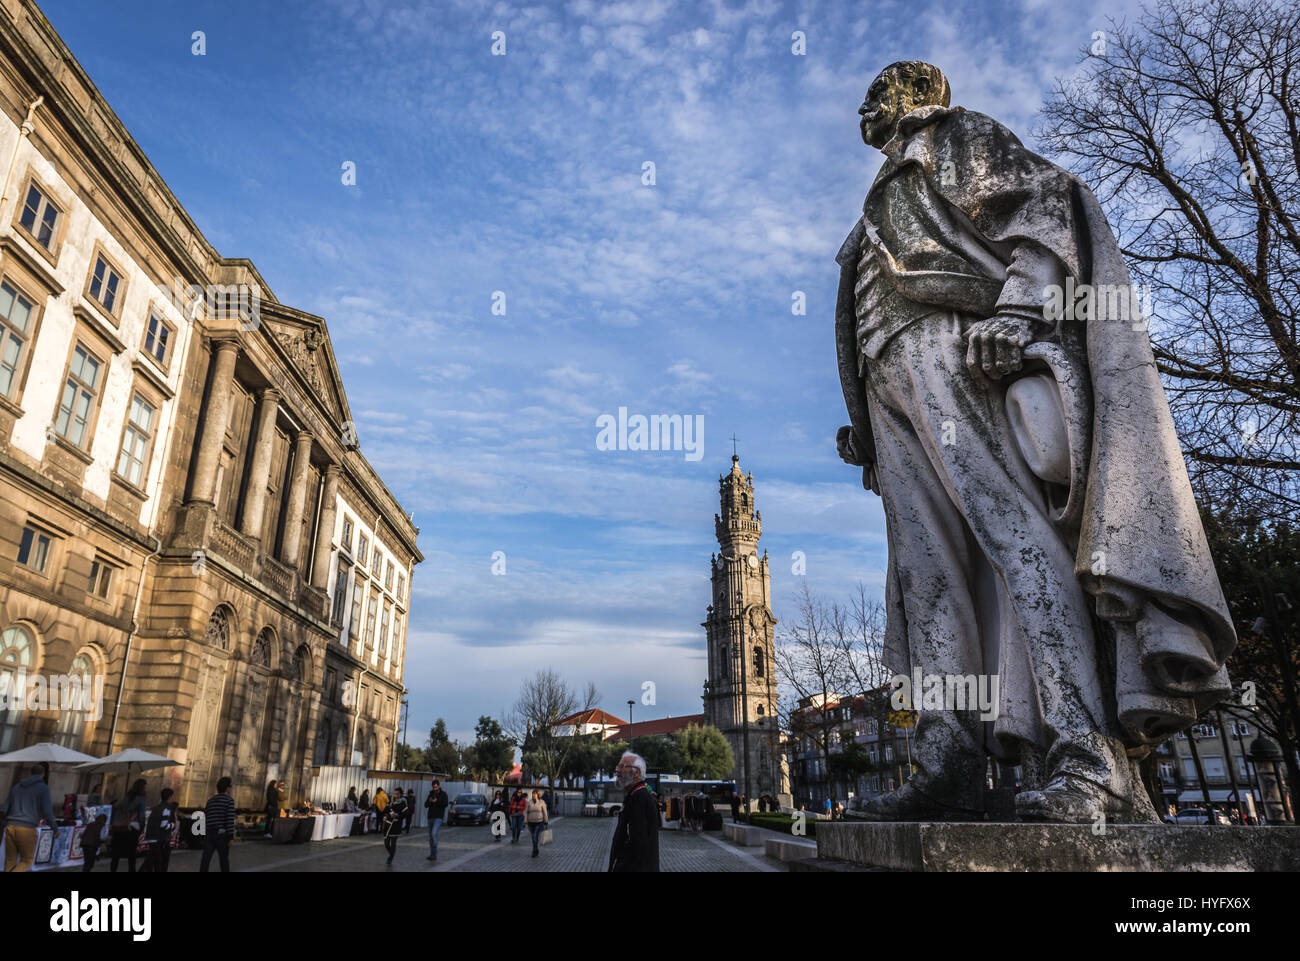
132	463
1214	766
370	621
331	683
377	567
354	625
158	339
80	394
401	587
383	630
363	546
397	635
101	576
388	576
15	321
340	594
34	549
39	216
347	534
104	282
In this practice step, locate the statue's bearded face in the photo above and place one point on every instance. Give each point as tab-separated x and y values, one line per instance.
889	99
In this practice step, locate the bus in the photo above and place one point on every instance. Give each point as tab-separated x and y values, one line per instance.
602	797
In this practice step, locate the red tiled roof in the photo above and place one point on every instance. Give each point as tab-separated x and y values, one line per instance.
663	725
594	716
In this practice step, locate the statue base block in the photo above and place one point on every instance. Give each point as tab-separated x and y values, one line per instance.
987	846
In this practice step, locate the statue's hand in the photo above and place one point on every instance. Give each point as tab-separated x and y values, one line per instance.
995	347
847	448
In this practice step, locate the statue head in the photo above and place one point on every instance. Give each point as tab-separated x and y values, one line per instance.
898	90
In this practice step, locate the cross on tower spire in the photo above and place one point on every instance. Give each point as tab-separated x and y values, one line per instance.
733	444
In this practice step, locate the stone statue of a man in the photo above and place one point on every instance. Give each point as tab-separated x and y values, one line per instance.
1005	405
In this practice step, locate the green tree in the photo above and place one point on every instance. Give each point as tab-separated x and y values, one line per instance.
660	753
441	754
492	754
704	753
1259	569
411	758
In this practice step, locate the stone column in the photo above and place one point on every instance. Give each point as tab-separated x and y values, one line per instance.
259	471
325	529
215	421
297	499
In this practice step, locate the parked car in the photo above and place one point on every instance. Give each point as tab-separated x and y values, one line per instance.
468	809
1197	816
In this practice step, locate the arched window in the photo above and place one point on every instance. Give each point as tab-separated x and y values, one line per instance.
341	747
71	732
218	629
372	751
17	652
759	660
302	664
723	661
261	653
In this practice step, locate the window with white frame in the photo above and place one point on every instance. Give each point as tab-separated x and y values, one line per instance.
80	397
137	438
15	324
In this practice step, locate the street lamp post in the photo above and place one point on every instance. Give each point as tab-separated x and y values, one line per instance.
630	704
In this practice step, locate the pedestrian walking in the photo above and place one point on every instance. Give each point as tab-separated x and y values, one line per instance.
735	807
218	827
129	815
536	815
27	805
91	840
636	837
435	806
158	834
498	804
394	818
518	805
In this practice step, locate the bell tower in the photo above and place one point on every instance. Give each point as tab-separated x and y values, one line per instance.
740	694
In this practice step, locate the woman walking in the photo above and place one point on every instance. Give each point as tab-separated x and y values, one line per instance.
129	815
273	800
518	805
535	815
498	804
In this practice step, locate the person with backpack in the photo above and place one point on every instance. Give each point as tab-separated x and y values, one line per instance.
394	816
28	803
518	805
158	834
129	815
218	827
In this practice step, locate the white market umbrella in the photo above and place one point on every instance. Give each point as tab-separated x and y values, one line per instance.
46	752
131	757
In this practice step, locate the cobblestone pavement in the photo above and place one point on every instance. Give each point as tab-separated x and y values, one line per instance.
581	844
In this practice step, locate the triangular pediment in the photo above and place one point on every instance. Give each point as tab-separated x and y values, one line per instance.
305	344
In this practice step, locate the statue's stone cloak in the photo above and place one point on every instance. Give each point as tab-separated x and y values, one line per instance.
1140	539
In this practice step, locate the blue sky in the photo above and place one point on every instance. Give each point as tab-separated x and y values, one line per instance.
523	174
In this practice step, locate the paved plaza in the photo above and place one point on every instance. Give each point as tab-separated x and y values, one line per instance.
581	844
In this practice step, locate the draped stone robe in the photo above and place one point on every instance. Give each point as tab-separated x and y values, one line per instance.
991	567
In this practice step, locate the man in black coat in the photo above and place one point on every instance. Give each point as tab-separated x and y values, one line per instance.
636	838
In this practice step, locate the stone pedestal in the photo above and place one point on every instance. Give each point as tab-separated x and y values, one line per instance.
987	846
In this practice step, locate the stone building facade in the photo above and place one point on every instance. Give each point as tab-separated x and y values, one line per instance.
740	696
185	516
